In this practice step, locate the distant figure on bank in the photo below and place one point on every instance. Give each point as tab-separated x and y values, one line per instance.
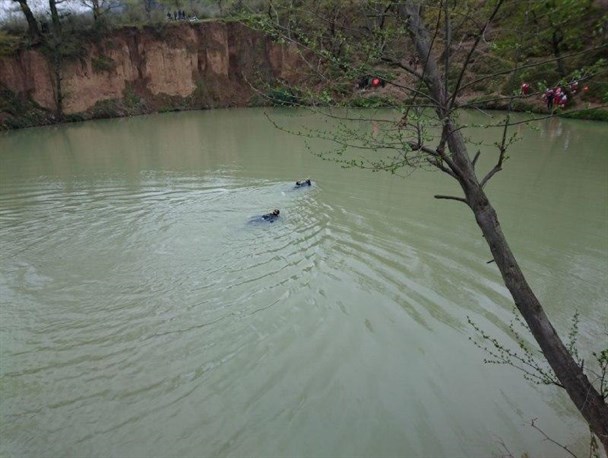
300	184
363	82
548	96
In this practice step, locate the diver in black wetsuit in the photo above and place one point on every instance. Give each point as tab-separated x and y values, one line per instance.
267	218
271	216
299	184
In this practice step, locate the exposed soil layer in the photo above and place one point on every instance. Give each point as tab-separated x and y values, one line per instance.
135	71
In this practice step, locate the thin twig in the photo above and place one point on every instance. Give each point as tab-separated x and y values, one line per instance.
503	149
533	424
470	55
437	163
536	64
474	161
459	199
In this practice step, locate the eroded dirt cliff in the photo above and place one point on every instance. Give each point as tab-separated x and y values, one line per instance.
181	66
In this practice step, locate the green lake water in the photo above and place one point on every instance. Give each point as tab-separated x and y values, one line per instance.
143	315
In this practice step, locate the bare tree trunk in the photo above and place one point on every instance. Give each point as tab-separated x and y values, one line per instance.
56	50
556	40
58	91
586	398
96	10
32	24
55	17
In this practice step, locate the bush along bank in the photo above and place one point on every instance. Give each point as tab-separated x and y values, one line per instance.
184	66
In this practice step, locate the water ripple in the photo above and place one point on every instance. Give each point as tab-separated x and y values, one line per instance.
140	309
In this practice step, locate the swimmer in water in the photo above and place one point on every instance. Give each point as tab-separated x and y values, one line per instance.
299	184
271	216
267	218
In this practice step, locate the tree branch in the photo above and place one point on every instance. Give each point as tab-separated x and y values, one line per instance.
474	161
459	199
407	68
470	54
448	47
536	64
503	149
533	424
440	166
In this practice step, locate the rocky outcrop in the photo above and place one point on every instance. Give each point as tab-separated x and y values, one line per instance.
177	66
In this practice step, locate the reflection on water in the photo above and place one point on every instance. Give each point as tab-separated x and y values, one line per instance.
142	315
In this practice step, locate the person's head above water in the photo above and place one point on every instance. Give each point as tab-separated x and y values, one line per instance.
273	215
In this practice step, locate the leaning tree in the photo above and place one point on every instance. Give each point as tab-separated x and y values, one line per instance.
432	54
32	24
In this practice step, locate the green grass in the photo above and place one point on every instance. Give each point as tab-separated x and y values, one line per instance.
591	114
103	64
373	101
9	44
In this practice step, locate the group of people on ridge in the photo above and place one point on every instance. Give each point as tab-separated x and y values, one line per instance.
179	15
556	96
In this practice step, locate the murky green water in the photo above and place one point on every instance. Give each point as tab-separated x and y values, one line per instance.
143	316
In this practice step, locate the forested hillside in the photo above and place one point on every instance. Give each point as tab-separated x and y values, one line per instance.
74	60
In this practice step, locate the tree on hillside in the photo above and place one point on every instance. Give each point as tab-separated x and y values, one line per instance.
32	24
55	46
100	7
52	44
558	23
432	53
553	27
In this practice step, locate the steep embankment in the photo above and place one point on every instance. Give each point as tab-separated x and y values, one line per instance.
132	71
